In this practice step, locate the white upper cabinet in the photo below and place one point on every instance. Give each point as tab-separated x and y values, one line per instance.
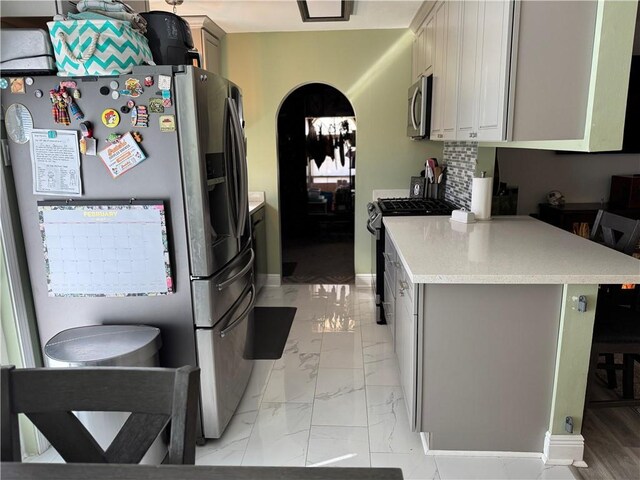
422	64
429	45
446	26
492	70
485	48
451	57
467	93
439	70
419	54
528	74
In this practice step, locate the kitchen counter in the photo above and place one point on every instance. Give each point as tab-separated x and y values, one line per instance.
499	315
504	250
256	200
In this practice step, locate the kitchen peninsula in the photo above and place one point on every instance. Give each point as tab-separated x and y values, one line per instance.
492	346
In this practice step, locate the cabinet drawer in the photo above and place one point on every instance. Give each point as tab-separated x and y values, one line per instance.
389	303
405	286
390	259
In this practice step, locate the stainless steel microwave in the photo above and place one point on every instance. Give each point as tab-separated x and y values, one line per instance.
419	111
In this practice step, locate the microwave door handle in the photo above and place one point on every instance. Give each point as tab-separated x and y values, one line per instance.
245	269
413	109
240	317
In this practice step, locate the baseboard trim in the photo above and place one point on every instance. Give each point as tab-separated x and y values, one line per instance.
563	450
364	279
273	280
471	453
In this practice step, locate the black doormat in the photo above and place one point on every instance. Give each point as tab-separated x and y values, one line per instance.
270	330
288	268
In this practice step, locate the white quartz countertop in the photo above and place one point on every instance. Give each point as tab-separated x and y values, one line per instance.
256	200
509	249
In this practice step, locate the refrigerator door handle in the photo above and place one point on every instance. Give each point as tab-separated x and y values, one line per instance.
247	267
240	317
241	159
231	162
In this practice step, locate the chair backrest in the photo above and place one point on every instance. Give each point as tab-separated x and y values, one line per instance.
156	397
616	231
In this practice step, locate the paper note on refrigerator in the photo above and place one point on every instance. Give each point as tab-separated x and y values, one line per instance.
122	155
55	162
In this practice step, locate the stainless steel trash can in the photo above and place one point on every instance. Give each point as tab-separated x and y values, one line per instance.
108	346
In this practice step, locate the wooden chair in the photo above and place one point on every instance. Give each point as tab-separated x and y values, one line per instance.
615	231
617	322
156	398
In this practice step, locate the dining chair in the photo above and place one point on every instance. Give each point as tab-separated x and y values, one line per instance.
158	399
617	318
616	231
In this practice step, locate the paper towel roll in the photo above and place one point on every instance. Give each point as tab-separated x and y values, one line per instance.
481	192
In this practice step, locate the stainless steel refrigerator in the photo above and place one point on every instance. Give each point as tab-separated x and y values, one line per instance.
196	165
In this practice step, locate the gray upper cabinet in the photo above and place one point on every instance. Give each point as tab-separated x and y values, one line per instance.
206	38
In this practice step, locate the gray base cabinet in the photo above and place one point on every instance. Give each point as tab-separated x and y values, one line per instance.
390	284
488	359
259	237
476	361
406	343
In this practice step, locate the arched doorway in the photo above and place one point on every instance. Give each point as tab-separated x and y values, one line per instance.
316	164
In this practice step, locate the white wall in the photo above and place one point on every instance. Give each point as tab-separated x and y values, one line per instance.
580	177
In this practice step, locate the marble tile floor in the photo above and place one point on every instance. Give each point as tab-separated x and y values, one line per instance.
334	399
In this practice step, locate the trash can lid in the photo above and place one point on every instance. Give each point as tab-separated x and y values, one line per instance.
106	345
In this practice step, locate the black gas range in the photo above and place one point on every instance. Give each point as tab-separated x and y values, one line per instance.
397	207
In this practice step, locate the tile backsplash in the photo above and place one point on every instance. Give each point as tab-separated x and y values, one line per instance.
460	158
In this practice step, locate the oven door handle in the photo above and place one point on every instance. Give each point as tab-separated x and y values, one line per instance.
372	230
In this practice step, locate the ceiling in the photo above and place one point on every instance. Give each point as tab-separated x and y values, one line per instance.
235	16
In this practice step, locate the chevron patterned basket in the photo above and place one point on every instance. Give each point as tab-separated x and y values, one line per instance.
97	47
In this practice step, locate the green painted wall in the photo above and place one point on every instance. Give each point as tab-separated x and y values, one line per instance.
371	67
572	359
10	350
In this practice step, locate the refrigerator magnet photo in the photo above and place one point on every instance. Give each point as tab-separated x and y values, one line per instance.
17	85
167	123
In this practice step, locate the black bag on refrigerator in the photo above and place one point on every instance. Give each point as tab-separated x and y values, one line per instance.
170	39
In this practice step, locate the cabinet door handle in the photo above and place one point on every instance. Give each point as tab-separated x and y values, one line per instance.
403	286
